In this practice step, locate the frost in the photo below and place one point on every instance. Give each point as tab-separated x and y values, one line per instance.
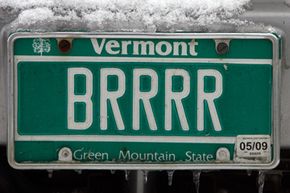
124	15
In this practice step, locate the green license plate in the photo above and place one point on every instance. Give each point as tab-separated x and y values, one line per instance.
143	101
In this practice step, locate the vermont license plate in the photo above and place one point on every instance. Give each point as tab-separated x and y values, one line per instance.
143	101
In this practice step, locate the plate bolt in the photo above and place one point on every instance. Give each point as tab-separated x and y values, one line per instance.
222	47
64	45
223	154
65	154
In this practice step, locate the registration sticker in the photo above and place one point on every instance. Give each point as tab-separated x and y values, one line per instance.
253	147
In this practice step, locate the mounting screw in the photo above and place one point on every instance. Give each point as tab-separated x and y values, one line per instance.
64	45
223	154
222	46
65	154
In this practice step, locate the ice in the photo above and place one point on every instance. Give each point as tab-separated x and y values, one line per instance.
113	172
127	173
170	177
50	173
249	172
261	181
125	15
196	180
145	175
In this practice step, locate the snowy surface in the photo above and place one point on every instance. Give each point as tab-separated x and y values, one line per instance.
123	15
287	2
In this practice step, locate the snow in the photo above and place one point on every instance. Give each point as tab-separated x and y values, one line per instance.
287	2
125	15
34	15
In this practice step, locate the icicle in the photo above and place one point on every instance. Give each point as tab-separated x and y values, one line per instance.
127	175
261	181
249	172
50	173
196	180
79	171
113	171
145	174
170	174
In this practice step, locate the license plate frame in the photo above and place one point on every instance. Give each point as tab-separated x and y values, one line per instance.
12	101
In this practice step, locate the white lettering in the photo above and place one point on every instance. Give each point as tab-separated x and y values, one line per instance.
98	48
81	154
203	96
85	98
176	48
112	96
147	48
113	44
192	45
144	97
168	48
125	45
176	97
193	157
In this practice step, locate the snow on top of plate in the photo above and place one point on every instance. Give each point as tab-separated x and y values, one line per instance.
123	5
125	15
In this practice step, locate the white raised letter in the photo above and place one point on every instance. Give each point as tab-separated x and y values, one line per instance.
85	98
125	45
192	49
113	44
98	48
144	96
168	48
112	96
177	50
208	97
147	48
176	97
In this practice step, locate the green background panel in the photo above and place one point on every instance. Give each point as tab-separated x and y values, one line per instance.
239	48
243	108
30	151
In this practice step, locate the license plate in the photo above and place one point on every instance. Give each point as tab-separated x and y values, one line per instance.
143	101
